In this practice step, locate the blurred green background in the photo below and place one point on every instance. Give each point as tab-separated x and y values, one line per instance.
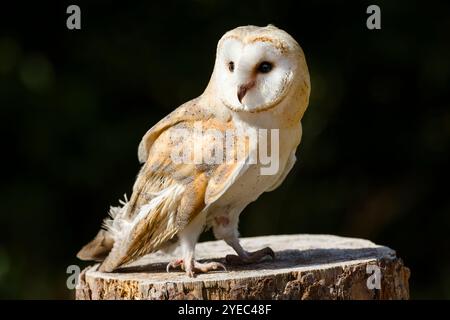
74	105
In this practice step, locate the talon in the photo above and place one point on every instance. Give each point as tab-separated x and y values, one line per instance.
190	274
174	264
223	267
217	265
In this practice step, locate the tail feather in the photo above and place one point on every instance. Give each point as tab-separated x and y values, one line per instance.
130	236
99	248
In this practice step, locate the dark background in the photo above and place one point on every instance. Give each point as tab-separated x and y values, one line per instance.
74	105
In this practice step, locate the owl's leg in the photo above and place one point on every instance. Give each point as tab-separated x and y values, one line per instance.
225	227
188	239
246	257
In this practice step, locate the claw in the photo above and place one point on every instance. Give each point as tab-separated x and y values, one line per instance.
174	264
221	265
190	274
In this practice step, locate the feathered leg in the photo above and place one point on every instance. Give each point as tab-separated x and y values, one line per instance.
225	227
188	239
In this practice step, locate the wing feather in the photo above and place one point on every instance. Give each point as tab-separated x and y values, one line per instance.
168	195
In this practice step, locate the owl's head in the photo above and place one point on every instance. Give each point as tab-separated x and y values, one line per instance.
257	67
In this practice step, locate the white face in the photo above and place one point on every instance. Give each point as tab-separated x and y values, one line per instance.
254	76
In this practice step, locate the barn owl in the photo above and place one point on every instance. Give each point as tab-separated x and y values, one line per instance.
260	81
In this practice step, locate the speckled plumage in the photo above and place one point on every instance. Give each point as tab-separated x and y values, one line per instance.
172	203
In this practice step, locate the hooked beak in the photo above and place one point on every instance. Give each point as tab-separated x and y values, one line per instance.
243	88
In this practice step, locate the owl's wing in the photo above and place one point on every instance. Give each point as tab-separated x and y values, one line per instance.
289	165
168	194
190	111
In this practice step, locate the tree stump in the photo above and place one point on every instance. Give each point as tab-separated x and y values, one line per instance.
305	267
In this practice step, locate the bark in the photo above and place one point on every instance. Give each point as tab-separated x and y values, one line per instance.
305	267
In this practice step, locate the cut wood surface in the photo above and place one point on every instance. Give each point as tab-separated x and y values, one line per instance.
305	267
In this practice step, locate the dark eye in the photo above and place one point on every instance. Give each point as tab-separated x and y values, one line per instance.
265	67
231	66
